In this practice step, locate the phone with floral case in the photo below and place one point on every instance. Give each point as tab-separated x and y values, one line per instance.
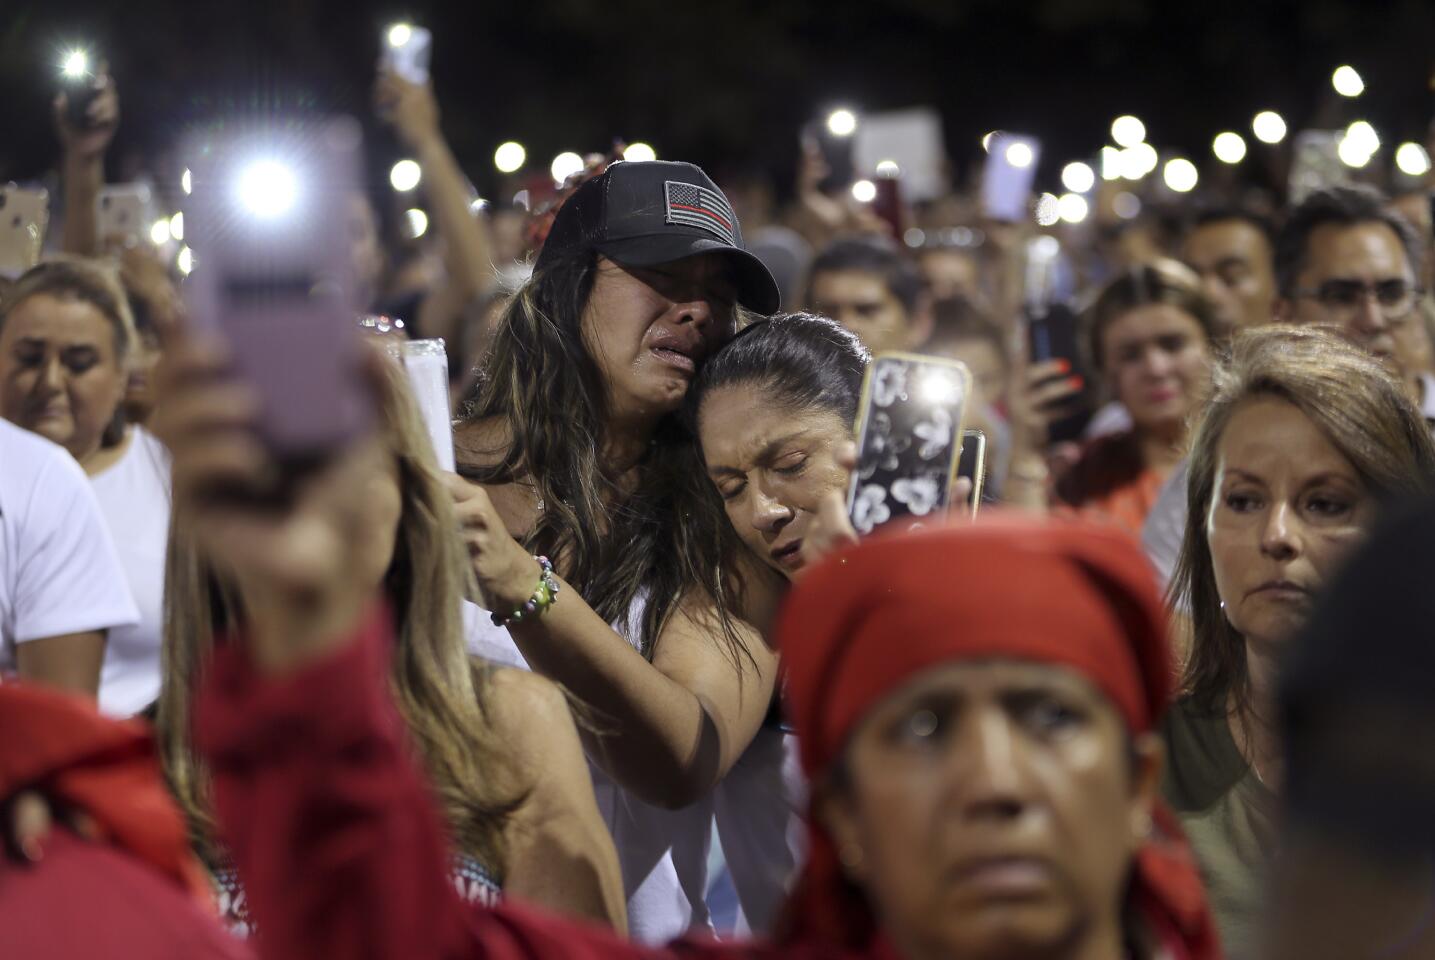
909	441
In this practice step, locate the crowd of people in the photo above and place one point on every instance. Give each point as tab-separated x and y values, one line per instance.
627	683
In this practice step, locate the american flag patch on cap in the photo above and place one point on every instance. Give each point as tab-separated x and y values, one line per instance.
698	206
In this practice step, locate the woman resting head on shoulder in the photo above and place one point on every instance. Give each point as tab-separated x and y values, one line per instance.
773	413
515	791
1305	441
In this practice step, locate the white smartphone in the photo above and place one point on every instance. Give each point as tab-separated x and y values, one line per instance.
1008	175
909	440
269	278
406	51
124	213
24	218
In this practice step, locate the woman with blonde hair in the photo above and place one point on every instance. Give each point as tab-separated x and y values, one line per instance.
499	746
1305	441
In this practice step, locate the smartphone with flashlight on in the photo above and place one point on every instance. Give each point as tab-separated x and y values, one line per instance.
909	441
832	137
406	52
123	213
24	217
82	80
270	279
1008	175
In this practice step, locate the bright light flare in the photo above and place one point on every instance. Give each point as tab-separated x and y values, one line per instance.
938	388
1048	210
1138	161
565	165
639	153
159	233
1229	147
176	226
864	191
1347	81
400	34
1110	163
405	175
417	222
1078	177
185	261
888	169
186	182
1412	159
987	140
1181	175
267	189
1020	154
1269	127
1072	207
1128	131
842	122
75	65
510	157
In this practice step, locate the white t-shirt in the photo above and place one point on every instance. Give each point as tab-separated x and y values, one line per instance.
663	853
134	497
58	570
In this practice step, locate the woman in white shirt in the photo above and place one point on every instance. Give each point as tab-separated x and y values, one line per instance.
66	338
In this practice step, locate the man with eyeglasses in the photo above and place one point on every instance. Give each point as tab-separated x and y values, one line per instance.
1344	260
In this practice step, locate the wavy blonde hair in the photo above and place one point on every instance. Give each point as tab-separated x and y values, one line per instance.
438	688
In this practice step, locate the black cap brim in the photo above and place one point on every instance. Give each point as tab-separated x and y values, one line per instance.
756	289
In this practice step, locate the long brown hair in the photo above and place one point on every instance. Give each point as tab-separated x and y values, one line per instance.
541	383
439	690
1351	399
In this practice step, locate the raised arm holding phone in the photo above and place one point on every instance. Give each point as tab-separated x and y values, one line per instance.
412	110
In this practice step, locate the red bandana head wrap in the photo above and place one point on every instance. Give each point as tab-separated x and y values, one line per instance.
60	745
865	622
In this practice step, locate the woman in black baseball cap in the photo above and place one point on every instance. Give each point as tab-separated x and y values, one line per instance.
577	461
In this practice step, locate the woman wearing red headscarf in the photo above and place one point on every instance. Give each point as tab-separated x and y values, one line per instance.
976	707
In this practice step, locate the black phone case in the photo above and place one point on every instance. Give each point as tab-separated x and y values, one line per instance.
907	449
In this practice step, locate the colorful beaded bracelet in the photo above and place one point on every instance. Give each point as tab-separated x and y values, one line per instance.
544	596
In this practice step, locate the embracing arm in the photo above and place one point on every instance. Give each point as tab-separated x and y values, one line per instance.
668	730
558	851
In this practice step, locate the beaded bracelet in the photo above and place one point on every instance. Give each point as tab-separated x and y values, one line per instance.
544	596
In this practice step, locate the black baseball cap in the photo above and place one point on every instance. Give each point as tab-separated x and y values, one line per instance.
646	213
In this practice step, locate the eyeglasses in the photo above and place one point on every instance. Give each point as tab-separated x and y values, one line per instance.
1396	298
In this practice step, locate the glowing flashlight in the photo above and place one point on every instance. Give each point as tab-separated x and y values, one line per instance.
267	189
75	65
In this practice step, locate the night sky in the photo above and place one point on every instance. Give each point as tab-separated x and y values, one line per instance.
729	84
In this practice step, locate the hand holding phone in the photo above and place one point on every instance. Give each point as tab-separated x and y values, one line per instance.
406	51
272	283
908	440
87	107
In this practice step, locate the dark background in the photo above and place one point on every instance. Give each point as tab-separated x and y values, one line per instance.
728	84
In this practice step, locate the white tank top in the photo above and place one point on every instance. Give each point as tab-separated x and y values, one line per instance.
663	853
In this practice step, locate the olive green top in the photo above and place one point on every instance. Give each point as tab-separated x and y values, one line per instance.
1227	814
